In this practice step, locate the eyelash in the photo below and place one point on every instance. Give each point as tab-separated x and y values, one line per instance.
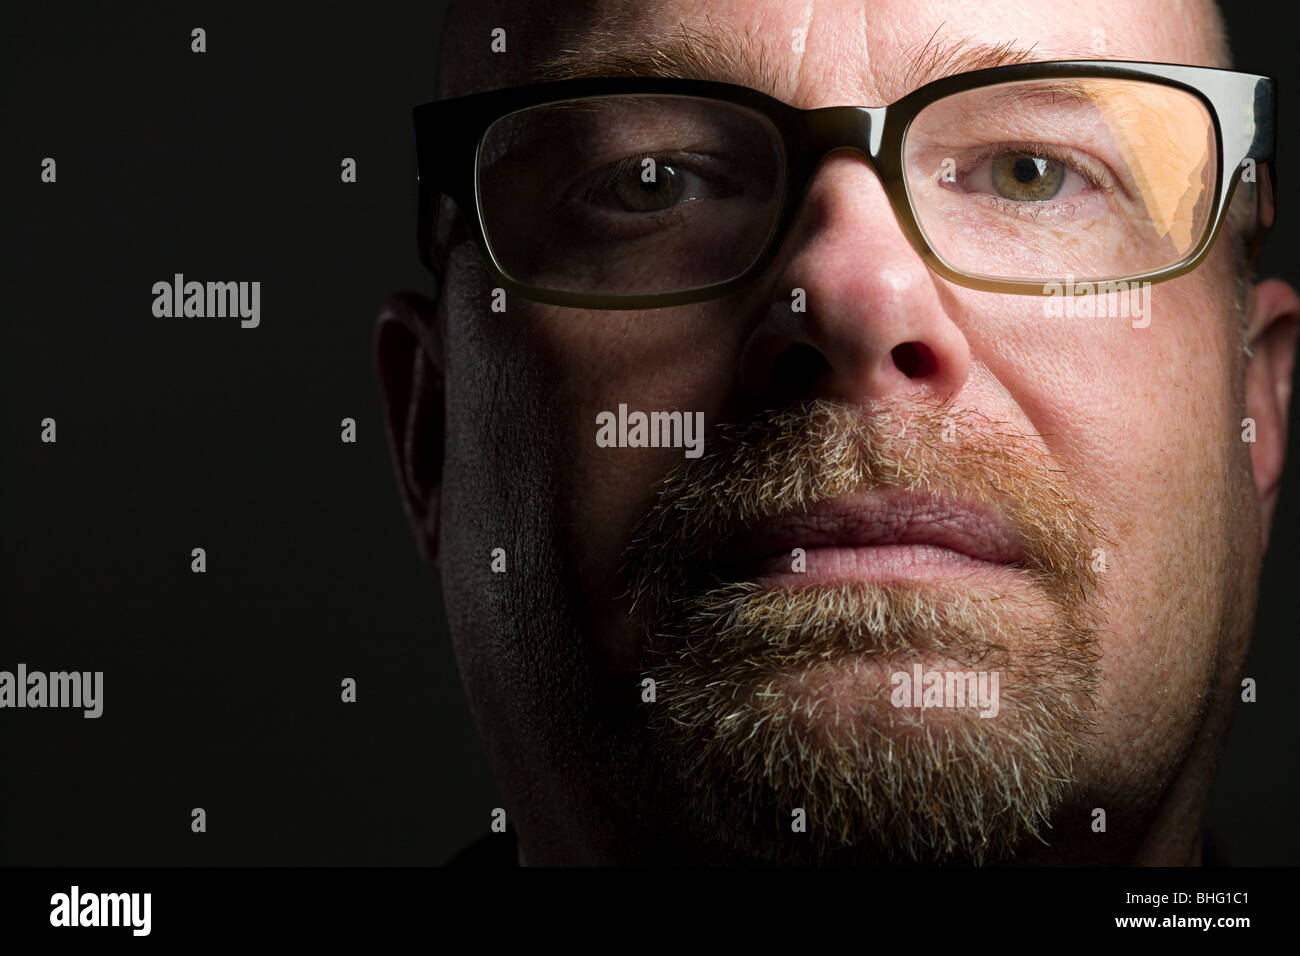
1093	173
1032	210
609	175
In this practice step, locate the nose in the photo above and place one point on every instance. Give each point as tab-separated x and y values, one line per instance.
853	313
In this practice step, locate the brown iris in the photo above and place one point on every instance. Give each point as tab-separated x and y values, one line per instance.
1025	178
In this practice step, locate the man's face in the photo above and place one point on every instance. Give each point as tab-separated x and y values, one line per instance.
973	485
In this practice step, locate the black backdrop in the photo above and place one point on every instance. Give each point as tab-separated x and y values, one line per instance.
222	689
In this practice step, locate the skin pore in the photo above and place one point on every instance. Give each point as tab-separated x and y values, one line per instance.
1135	431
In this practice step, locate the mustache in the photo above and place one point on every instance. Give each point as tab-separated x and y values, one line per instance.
788	460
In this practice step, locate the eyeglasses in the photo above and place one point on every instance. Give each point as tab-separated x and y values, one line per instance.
635	193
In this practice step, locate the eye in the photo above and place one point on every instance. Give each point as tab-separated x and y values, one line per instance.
635	194
632	186
1025	178
1028	174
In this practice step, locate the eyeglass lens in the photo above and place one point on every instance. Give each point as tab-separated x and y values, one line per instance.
1094	178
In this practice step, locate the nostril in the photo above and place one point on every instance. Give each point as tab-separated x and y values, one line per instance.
914	359
798	370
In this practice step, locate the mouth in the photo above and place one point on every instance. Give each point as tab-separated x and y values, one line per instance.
881	536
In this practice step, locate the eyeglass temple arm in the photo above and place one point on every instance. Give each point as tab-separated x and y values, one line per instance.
1263	105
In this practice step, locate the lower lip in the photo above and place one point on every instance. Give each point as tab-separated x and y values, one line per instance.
879	564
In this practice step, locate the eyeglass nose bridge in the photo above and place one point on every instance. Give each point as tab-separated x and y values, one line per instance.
833	128
862	130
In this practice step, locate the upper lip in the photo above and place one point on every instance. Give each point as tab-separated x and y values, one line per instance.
876	518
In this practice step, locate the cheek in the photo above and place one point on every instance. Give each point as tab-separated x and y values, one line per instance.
1137	415
526	388
609	367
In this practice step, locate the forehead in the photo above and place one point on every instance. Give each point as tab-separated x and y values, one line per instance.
815	53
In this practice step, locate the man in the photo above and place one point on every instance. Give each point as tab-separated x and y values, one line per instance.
952	571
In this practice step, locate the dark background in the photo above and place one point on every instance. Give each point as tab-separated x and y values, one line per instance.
222	690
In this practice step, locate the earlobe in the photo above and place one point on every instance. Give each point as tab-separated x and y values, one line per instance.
409	361
1274	322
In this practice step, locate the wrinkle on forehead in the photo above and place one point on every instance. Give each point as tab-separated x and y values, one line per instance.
856	51
716	52
867	52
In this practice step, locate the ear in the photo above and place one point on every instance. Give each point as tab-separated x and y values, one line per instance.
409	356
1274	320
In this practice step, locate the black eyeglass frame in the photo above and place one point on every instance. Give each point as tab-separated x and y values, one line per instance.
449	134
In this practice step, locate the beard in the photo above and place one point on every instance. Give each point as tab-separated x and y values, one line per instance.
776	729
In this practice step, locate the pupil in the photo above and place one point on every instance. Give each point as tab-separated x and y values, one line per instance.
1025	170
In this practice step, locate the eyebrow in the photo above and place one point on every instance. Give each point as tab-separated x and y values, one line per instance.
718	52
713	52
937	58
